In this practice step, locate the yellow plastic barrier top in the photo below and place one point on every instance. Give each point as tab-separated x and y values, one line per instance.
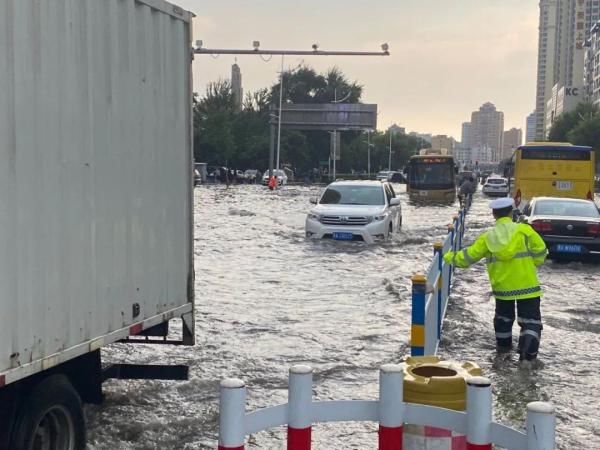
431	381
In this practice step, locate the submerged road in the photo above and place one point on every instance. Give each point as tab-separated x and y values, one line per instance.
267	298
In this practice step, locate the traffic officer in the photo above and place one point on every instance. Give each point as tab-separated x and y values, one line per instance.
512	252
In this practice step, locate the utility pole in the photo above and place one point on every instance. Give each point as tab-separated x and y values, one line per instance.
390	158
334	152
279	118
369	154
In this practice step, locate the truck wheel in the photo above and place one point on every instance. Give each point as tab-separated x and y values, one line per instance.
51	417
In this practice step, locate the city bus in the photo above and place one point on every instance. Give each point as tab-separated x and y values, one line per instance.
431	176
553	169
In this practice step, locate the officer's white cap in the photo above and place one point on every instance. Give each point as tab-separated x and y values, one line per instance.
501	203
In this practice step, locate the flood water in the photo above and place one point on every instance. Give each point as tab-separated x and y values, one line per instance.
267	299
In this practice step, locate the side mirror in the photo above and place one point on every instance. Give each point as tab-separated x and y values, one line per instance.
395	202
313	200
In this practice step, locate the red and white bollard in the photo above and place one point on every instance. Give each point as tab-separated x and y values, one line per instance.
300	408
391	407
232	415
541	426
479	413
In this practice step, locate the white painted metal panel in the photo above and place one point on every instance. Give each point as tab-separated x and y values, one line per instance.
95	168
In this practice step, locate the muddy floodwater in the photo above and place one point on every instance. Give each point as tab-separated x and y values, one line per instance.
267	299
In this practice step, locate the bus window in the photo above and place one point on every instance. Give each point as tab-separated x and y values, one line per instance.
556	155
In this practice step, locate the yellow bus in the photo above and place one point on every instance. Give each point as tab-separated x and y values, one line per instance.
431	177
553	169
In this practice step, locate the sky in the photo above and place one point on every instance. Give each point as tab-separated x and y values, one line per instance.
448	57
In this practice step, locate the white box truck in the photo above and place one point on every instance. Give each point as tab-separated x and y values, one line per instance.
95	203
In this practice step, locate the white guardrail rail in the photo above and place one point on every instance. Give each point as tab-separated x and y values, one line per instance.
390	411
430	292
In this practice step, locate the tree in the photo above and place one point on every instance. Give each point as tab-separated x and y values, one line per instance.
213	124
569	120
586	132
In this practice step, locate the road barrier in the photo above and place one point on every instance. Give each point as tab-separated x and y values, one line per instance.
430	292
390	411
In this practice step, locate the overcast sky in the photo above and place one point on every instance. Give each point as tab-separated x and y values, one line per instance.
447	56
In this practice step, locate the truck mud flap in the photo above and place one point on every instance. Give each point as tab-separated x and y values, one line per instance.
145	372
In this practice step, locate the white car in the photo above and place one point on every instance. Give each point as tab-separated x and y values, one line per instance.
355	211
496	186
282	178
383	175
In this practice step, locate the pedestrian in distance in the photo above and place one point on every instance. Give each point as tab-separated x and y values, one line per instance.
467	187
513	252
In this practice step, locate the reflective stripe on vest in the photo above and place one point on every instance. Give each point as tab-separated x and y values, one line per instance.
528	254
517	292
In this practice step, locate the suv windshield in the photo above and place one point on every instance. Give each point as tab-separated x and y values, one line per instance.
353	195
565	208
496	181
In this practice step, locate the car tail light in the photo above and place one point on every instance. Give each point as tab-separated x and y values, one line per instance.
593	229
518	198
590	196
541	226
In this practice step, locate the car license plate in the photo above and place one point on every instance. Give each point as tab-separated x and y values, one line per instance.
342	236
564	185
569	248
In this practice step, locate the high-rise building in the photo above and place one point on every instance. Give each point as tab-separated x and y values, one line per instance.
442	141
530	128
462	154
236	87
511	139
487	126
564	27
465	138
592	66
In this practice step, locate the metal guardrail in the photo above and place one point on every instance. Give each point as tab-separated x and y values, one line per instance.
390	411
430	292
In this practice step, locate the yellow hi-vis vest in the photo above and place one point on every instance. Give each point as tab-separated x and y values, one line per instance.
512	252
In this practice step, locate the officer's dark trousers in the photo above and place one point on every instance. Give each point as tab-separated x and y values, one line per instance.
529	319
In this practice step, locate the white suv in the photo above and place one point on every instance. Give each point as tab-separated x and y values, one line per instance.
282	178
355	211
496	186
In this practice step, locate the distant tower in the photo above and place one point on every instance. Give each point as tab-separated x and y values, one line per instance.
530	130
487	126
236	87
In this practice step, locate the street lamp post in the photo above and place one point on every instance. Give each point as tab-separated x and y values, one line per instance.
390	158
280	117
369	154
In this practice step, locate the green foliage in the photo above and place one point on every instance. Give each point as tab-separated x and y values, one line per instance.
569	120
241	140
579	127
586	132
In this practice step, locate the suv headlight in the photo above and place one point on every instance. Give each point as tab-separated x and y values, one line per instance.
380	217
316	217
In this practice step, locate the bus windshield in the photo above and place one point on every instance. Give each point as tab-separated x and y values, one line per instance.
431	176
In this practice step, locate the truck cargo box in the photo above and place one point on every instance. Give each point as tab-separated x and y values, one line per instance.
95	176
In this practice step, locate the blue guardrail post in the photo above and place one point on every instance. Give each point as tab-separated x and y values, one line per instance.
437	250
451	233
417	330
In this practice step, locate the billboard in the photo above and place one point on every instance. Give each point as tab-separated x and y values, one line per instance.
327	116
